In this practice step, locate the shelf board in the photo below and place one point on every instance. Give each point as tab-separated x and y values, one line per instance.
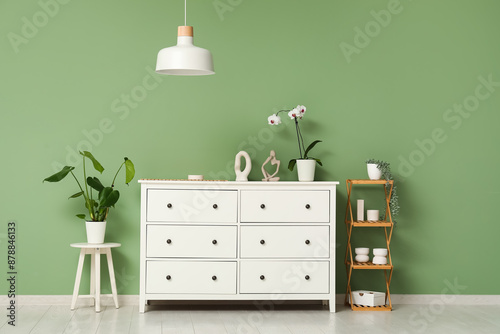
369	265
369	181
357	307
370	223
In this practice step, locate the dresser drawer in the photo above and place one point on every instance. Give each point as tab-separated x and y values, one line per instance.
299	206
191	241
210	206
191	277
285	241
284	277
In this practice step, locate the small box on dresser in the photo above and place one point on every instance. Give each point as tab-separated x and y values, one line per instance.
207	240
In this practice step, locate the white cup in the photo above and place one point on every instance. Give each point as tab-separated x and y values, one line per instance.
372	215
195	177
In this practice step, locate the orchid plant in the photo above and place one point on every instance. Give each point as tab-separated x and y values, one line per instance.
296	114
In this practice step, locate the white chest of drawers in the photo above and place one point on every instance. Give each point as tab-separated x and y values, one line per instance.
203	240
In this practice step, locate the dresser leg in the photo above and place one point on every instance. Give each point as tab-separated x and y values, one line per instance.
142	306
332	305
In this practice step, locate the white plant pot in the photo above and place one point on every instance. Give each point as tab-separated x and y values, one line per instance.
373	172
95	232
306	169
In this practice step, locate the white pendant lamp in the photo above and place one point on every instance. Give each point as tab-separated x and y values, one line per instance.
185	58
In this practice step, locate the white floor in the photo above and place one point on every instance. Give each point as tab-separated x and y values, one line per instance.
307	319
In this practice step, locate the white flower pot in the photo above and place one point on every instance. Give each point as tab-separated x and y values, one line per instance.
95	232
306	169
373	172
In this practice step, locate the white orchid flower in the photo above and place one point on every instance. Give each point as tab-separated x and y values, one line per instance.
294	113
274	119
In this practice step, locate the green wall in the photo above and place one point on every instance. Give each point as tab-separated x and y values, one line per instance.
399	81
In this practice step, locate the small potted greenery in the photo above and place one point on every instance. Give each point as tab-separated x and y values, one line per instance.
305	164
97	197
378	169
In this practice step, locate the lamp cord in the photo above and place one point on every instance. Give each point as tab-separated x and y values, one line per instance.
185	12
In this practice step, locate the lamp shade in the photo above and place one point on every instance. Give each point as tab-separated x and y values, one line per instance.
185	58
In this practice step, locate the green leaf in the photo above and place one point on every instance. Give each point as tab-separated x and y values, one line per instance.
59	175
291	164
95	183
98	167
310	147
110	200
318	161
81	216
104	193
129	171
78	194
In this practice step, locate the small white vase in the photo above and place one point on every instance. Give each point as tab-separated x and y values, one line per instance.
306	169
95	232
373	172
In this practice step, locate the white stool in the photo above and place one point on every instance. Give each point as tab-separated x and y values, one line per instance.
95	272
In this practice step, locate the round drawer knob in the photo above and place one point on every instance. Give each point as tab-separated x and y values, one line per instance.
168	277
262	277
215	206
307	277
262	206
307	242
214	278
214	242
169	241
262	242
308	206
169	205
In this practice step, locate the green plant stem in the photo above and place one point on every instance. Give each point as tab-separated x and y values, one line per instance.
113	183
298	135
302	140
87	198
80	186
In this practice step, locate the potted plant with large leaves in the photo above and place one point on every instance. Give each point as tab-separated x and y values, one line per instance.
306	165
98	199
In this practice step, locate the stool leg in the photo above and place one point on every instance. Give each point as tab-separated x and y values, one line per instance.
78	278
92	274
97	253
112	276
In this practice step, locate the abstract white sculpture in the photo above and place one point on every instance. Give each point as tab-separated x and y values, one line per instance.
242	175
362	254
380	256
274	161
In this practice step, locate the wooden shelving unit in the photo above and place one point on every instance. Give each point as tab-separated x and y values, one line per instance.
387	225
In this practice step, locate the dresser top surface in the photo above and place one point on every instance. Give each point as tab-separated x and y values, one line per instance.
238	183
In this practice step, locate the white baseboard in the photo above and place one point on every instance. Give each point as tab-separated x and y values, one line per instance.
441	299
134	299
66	300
